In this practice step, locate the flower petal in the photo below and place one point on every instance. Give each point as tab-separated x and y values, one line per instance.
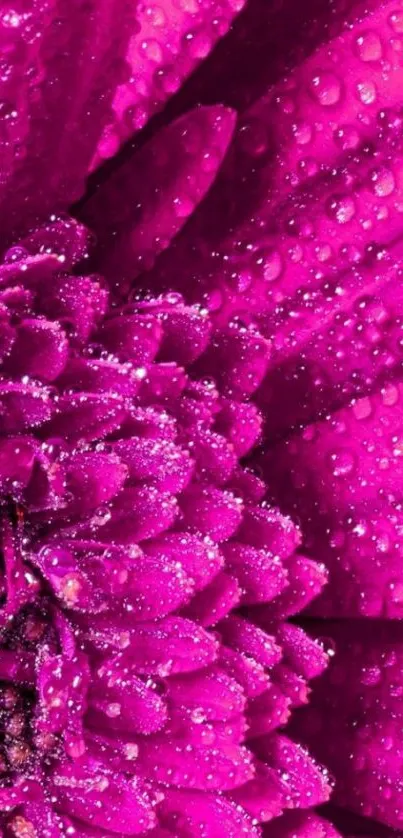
163	182
188	812
173	763
81	788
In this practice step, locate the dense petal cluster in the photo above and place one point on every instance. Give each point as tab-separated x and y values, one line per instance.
243	288
133	682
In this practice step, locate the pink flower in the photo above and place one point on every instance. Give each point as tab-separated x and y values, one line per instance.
199	414
147	666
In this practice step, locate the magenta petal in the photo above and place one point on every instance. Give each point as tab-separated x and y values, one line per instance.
266	528
186	813
40	350
210	511
343	474
137	514
23	406
62	236
267	712
305	655
100	376
301	825
78	302
306	580
45	159
215	694
93	478
17	459
81	786
186	333
240	423
215	601
251	675
163	183
250	640
199	558
215	457
260	574
161	461
168	45
119	701
306	784
239	358
263	797
354	717
164	384
133	338
86	416
168	761
169	646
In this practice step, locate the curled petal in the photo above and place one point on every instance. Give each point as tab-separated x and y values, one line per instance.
40	350
169	646
260	575
80	786
215	601
161	461
306	783
86	416
200	558
210	693
172	763
212	512
250	640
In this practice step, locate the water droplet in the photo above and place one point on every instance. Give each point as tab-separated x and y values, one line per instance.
326	88
369	46
302	132
272	266
396	20
347	137
342	208
383	181
342	463
152	50
366	92
323	252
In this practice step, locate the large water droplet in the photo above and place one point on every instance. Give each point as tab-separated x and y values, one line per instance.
369	46
366	92
347	137
342	208
396	20
383	181
272	263
342	463
326	88
302	132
